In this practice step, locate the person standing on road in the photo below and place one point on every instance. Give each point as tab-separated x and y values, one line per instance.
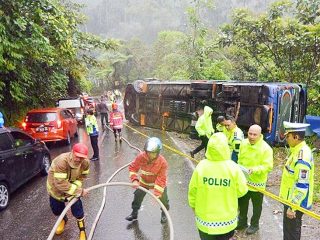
235	137
257	157
116	122
153	169
214	189
297	179
204	128
103	110
93	132
64	182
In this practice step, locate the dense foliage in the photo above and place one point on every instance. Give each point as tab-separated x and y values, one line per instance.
43	55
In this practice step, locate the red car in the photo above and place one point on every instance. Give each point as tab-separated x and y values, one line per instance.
51	124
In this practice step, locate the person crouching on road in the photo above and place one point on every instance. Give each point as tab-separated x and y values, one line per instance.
257	157
153	169
214	189
116	122
64	182
93	132
297	179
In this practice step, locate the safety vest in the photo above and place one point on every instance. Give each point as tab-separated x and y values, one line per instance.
91	125
235	137
214	189
259	158
204	123
298	176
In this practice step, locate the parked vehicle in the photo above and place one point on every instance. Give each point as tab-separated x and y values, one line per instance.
21	158
170	105
51	124
75	105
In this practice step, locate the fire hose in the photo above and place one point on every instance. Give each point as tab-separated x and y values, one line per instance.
105	185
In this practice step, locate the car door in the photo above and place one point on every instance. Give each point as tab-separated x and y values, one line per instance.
11	165
72	122
24	146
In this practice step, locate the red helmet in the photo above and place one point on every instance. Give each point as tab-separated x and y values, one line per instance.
80	150
114	106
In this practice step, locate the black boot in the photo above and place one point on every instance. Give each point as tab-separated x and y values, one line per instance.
163	218
133	216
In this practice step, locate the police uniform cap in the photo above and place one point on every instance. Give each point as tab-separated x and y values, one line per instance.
294	127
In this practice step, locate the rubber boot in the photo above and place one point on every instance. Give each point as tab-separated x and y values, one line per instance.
163	218
61	226
120	138
82	235
133	216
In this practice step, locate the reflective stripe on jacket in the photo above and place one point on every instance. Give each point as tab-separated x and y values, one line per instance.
153	175
259	158
298	176
214	189
65	182
235	137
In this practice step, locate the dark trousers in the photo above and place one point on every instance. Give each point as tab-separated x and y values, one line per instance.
139	196
203	145
57	208
292	227
257	199
115	131
206	236
94	144
104	118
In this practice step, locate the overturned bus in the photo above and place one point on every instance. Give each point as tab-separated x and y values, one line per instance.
170	105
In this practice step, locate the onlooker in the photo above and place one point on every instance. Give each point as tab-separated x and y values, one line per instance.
297	179
257	157
235	137
102	108
93	132
153	169
203	127
214	189
116	121
64	182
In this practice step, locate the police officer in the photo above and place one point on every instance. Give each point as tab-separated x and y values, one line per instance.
153	169
235	137
257	157
297	179
214	189
93	132
204	128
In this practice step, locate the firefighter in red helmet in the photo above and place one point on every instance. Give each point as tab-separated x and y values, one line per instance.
66	174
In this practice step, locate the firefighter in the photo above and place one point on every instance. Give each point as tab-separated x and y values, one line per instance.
153	169
297	179
214	189
257	157
116	122
235	137
203	127
64	182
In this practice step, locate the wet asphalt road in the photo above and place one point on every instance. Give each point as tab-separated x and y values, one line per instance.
29	215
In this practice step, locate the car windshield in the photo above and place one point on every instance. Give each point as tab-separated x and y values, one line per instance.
41	117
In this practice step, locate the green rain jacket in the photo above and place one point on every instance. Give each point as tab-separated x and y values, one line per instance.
214	188
91	125
259	158
204	124
298	176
